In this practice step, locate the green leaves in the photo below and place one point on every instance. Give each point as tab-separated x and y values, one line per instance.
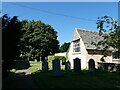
40	39
109	29
64	47
10	38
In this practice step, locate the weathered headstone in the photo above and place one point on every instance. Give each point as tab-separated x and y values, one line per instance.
44	65
40	58
91	65
67	66
56	67
77	65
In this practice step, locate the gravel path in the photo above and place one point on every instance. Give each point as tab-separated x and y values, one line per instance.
21	79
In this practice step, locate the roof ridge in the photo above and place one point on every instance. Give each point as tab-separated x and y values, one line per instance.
89	37
80	29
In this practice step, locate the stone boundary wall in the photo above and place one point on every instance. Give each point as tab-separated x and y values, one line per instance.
110	67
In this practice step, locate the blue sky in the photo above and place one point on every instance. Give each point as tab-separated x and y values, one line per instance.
84	14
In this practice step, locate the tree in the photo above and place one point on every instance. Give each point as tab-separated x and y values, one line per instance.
10	38
64	47
38	40
110	31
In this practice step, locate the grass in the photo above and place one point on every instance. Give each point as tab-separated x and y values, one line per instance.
98	79
82	80
70	79
34	66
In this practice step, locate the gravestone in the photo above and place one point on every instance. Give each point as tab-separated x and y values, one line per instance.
77	65
44	65
56	67
40	58
67	66
91	65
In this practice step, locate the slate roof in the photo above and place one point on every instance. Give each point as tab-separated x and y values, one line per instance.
89	37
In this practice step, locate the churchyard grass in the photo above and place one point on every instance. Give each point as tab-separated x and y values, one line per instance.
34	66
71	79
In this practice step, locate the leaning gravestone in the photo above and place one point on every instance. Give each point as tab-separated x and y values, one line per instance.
67	66
56	67
77	65
91	65
44	65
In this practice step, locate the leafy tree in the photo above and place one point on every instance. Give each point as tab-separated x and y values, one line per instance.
38	40
64	47
110	31
10	38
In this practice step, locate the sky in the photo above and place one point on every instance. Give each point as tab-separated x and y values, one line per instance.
64	17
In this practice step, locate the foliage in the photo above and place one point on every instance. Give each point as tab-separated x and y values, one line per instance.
110	31
38	40
64	47
10	38
52	57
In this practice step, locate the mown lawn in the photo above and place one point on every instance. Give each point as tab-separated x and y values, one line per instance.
70	79
34	66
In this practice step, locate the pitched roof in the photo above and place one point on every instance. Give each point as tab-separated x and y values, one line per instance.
89	37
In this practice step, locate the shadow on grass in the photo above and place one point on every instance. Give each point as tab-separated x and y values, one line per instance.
83	79
21	64
19	80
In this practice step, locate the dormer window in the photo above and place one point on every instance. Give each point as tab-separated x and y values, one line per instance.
76	45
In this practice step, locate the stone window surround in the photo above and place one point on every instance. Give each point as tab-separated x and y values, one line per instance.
76	46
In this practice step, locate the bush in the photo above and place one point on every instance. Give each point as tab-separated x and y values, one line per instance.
52	57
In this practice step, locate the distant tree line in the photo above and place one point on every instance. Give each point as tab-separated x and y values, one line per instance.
64	47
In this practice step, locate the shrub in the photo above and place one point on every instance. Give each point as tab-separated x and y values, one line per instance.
52	57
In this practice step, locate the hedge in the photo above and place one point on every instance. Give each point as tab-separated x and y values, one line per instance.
52	57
